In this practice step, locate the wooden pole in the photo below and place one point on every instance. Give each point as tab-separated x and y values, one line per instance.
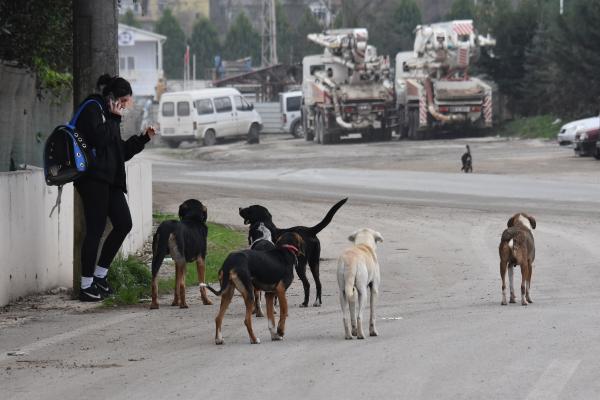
95	52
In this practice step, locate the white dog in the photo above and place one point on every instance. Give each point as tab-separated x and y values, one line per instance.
357	272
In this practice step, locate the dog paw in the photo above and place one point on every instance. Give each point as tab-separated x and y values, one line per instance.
219	341
317	304
154	306
257	341
504	302
174	303
207	302
354	332
349	337
303	305
513	300
529	300
373	333
360	336
523	303
184	305
260	314
276	338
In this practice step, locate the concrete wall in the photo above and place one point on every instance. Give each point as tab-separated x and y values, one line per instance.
36	251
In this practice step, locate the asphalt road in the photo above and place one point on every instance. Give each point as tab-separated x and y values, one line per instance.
443	332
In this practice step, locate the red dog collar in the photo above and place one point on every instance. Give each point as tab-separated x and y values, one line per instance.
291	248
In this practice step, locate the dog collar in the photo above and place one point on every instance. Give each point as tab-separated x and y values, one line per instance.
291	248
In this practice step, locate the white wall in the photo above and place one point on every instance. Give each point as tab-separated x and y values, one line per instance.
144	77
36	252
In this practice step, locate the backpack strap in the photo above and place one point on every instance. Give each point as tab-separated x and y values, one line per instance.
73	121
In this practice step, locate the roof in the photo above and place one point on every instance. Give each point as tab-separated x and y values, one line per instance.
203	92
141	35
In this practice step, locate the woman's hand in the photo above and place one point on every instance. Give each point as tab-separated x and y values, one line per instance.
150	131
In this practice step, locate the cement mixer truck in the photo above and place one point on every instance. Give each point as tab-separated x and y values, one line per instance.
432	83
347	89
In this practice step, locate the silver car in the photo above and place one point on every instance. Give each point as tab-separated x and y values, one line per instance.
567	133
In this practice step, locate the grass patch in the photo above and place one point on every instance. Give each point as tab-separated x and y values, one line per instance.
131	278
541	126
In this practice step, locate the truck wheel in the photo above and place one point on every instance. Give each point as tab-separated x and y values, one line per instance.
297	129
413	124
173	144
597	153
326	132
210	139
253	134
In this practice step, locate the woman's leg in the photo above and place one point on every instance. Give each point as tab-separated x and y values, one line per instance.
94	196
120	217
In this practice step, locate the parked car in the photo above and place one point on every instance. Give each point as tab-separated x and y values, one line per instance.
291	117
585	142
207	115
567	132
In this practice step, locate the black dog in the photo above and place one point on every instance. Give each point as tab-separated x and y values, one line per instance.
467	161
270	270
256	213
185	241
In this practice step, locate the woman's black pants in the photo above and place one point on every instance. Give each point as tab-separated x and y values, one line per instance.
102	201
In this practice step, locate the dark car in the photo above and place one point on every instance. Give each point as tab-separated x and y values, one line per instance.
585	142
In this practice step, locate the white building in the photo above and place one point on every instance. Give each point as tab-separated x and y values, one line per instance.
140	59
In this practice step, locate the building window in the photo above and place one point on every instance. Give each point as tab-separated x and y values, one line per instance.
130	63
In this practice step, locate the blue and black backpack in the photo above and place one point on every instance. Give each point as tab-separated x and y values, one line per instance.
66	154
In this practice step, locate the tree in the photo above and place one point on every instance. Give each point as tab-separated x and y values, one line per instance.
301	45
461	9
204	43
405	17
174	47
129	19
242	40
285	46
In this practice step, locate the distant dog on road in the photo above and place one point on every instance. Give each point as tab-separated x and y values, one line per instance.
517	247
357	275
185	241
467	161
257	213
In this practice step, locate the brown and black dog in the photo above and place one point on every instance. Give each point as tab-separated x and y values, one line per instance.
517	247
185	241
271	271
256	214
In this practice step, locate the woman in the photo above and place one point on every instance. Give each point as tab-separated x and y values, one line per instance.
103	187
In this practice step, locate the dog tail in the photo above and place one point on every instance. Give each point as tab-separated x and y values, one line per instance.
223	279
160	247
327	220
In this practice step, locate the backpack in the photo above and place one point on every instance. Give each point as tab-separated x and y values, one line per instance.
66	154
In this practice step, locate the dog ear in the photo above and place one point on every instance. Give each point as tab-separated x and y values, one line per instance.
378	237
531	221
352	237
510	222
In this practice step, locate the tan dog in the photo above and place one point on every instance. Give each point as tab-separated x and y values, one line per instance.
517	247
358	272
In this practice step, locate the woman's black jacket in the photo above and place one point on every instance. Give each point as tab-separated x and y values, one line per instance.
108	152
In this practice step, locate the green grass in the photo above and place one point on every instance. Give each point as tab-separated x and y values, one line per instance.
531	127
131	278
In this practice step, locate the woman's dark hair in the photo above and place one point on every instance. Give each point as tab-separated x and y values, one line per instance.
116	85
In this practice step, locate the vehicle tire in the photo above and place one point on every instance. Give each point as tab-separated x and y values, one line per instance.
597	153
253	134
210	138
173	144
326	132
298	129
318	128
413	124
308	134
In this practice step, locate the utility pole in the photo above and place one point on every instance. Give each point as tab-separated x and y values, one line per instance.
269	34
95	52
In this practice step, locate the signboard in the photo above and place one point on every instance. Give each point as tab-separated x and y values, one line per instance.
126	38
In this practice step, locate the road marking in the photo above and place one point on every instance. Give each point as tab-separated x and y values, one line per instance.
553	380
40	344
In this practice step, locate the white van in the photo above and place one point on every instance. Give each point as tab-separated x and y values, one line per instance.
207	115
290	104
